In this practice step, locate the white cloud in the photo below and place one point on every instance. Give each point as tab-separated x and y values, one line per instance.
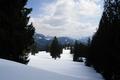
74	18
89	8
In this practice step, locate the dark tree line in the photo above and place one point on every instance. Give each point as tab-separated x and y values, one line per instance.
76	53
16	36
104	53
80	50
55	48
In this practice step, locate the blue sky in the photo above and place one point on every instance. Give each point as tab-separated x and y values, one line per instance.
36	5
72	18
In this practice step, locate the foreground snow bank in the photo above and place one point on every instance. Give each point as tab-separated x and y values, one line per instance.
14	71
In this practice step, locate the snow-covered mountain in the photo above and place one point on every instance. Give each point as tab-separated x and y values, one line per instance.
43	41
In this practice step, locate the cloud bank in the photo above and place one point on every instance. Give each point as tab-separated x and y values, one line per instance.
72	18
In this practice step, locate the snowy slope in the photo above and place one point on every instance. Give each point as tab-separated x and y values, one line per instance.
64	66
14	71
42	67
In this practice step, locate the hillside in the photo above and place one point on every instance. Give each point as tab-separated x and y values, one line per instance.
64	66
42	67
14	71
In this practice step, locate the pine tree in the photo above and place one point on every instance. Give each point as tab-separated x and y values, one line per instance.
55	48
15	33
76	51
71	49
80	50
105	46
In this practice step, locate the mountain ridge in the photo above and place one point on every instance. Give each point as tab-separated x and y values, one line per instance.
43	41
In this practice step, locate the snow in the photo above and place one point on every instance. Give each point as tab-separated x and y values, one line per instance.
14	71
40	37
47	38
64	66
42	67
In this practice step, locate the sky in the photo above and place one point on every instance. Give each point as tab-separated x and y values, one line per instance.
71	18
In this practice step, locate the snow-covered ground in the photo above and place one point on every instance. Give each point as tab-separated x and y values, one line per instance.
43	67
64	66
14	71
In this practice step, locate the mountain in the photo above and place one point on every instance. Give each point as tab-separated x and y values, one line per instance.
65	40
43	41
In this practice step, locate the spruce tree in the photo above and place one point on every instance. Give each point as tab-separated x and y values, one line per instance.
76	51
55	48
15	33
105	45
